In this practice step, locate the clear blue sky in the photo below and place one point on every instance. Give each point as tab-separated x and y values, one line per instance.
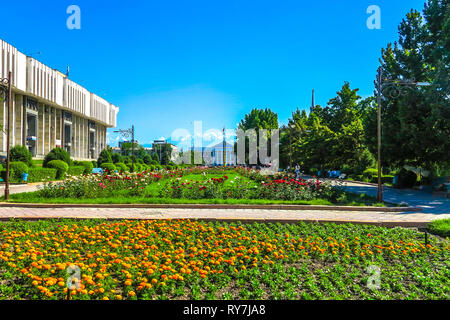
169	63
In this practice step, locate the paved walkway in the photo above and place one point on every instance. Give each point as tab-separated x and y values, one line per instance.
19	188
414	198
374	217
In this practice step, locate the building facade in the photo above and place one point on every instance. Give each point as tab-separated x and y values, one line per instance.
49	110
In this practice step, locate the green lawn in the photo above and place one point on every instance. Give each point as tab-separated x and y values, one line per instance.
440	227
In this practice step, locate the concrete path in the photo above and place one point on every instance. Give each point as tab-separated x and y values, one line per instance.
19	188
411	219
414	198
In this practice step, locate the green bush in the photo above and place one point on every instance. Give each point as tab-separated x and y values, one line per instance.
39	174
18	167
88	166
406	179
440	227
369	173
108	166
116	158
387	179
76	170
122	166
22	154
1	167
151	167
105	156
94	164
61	167
12	175
57	154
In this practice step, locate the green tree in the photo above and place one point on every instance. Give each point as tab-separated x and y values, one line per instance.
416	125
105	156
259	119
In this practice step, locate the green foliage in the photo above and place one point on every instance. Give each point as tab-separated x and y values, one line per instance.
440	227
76	170
105	156
57	154
21	153
94	164
122	166
61	167
416	125
39	174
17	168
116	157
88	166
108	166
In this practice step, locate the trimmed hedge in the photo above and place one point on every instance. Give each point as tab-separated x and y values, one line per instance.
88	166
61	167
122	166
57	154
22	154
39	174
76	170
18	167
108	166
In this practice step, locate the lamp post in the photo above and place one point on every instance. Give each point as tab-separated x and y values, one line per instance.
127	133
397	88
7	92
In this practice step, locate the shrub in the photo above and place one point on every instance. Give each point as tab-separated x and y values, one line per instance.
440	227
61	168
108	166
18	167
122	166
22	154
57	154
151	167
105	156
76	170
41	174
370	172
406	179
88	166
1	167
116	158
11	175
94	164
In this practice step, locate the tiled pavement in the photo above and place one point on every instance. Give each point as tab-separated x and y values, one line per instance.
381	218
433	208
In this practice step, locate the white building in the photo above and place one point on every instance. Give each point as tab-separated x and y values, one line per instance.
49	110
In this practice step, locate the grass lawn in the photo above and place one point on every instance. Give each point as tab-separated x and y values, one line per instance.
440	227
183	259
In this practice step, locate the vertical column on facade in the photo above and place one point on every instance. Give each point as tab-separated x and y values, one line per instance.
40	131
13	121
18	132
45	131
58	135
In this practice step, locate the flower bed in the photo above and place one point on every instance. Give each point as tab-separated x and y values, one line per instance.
190	259
190	184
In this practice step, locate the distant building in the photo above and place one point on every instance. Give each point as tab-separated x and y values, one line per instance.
49	110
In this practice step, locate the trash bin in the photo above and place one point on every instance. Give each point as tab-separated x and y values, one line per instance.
24	177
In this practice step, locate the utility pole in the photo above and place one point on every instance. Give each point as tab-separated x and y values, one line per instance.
379	89
127	133
224	149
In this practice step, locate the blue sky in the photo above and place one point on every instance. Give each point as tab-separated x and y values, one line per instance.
167	64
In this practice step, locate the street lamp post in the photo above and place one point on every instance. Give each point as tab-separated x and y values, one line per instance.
127	133
6	82
397	88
